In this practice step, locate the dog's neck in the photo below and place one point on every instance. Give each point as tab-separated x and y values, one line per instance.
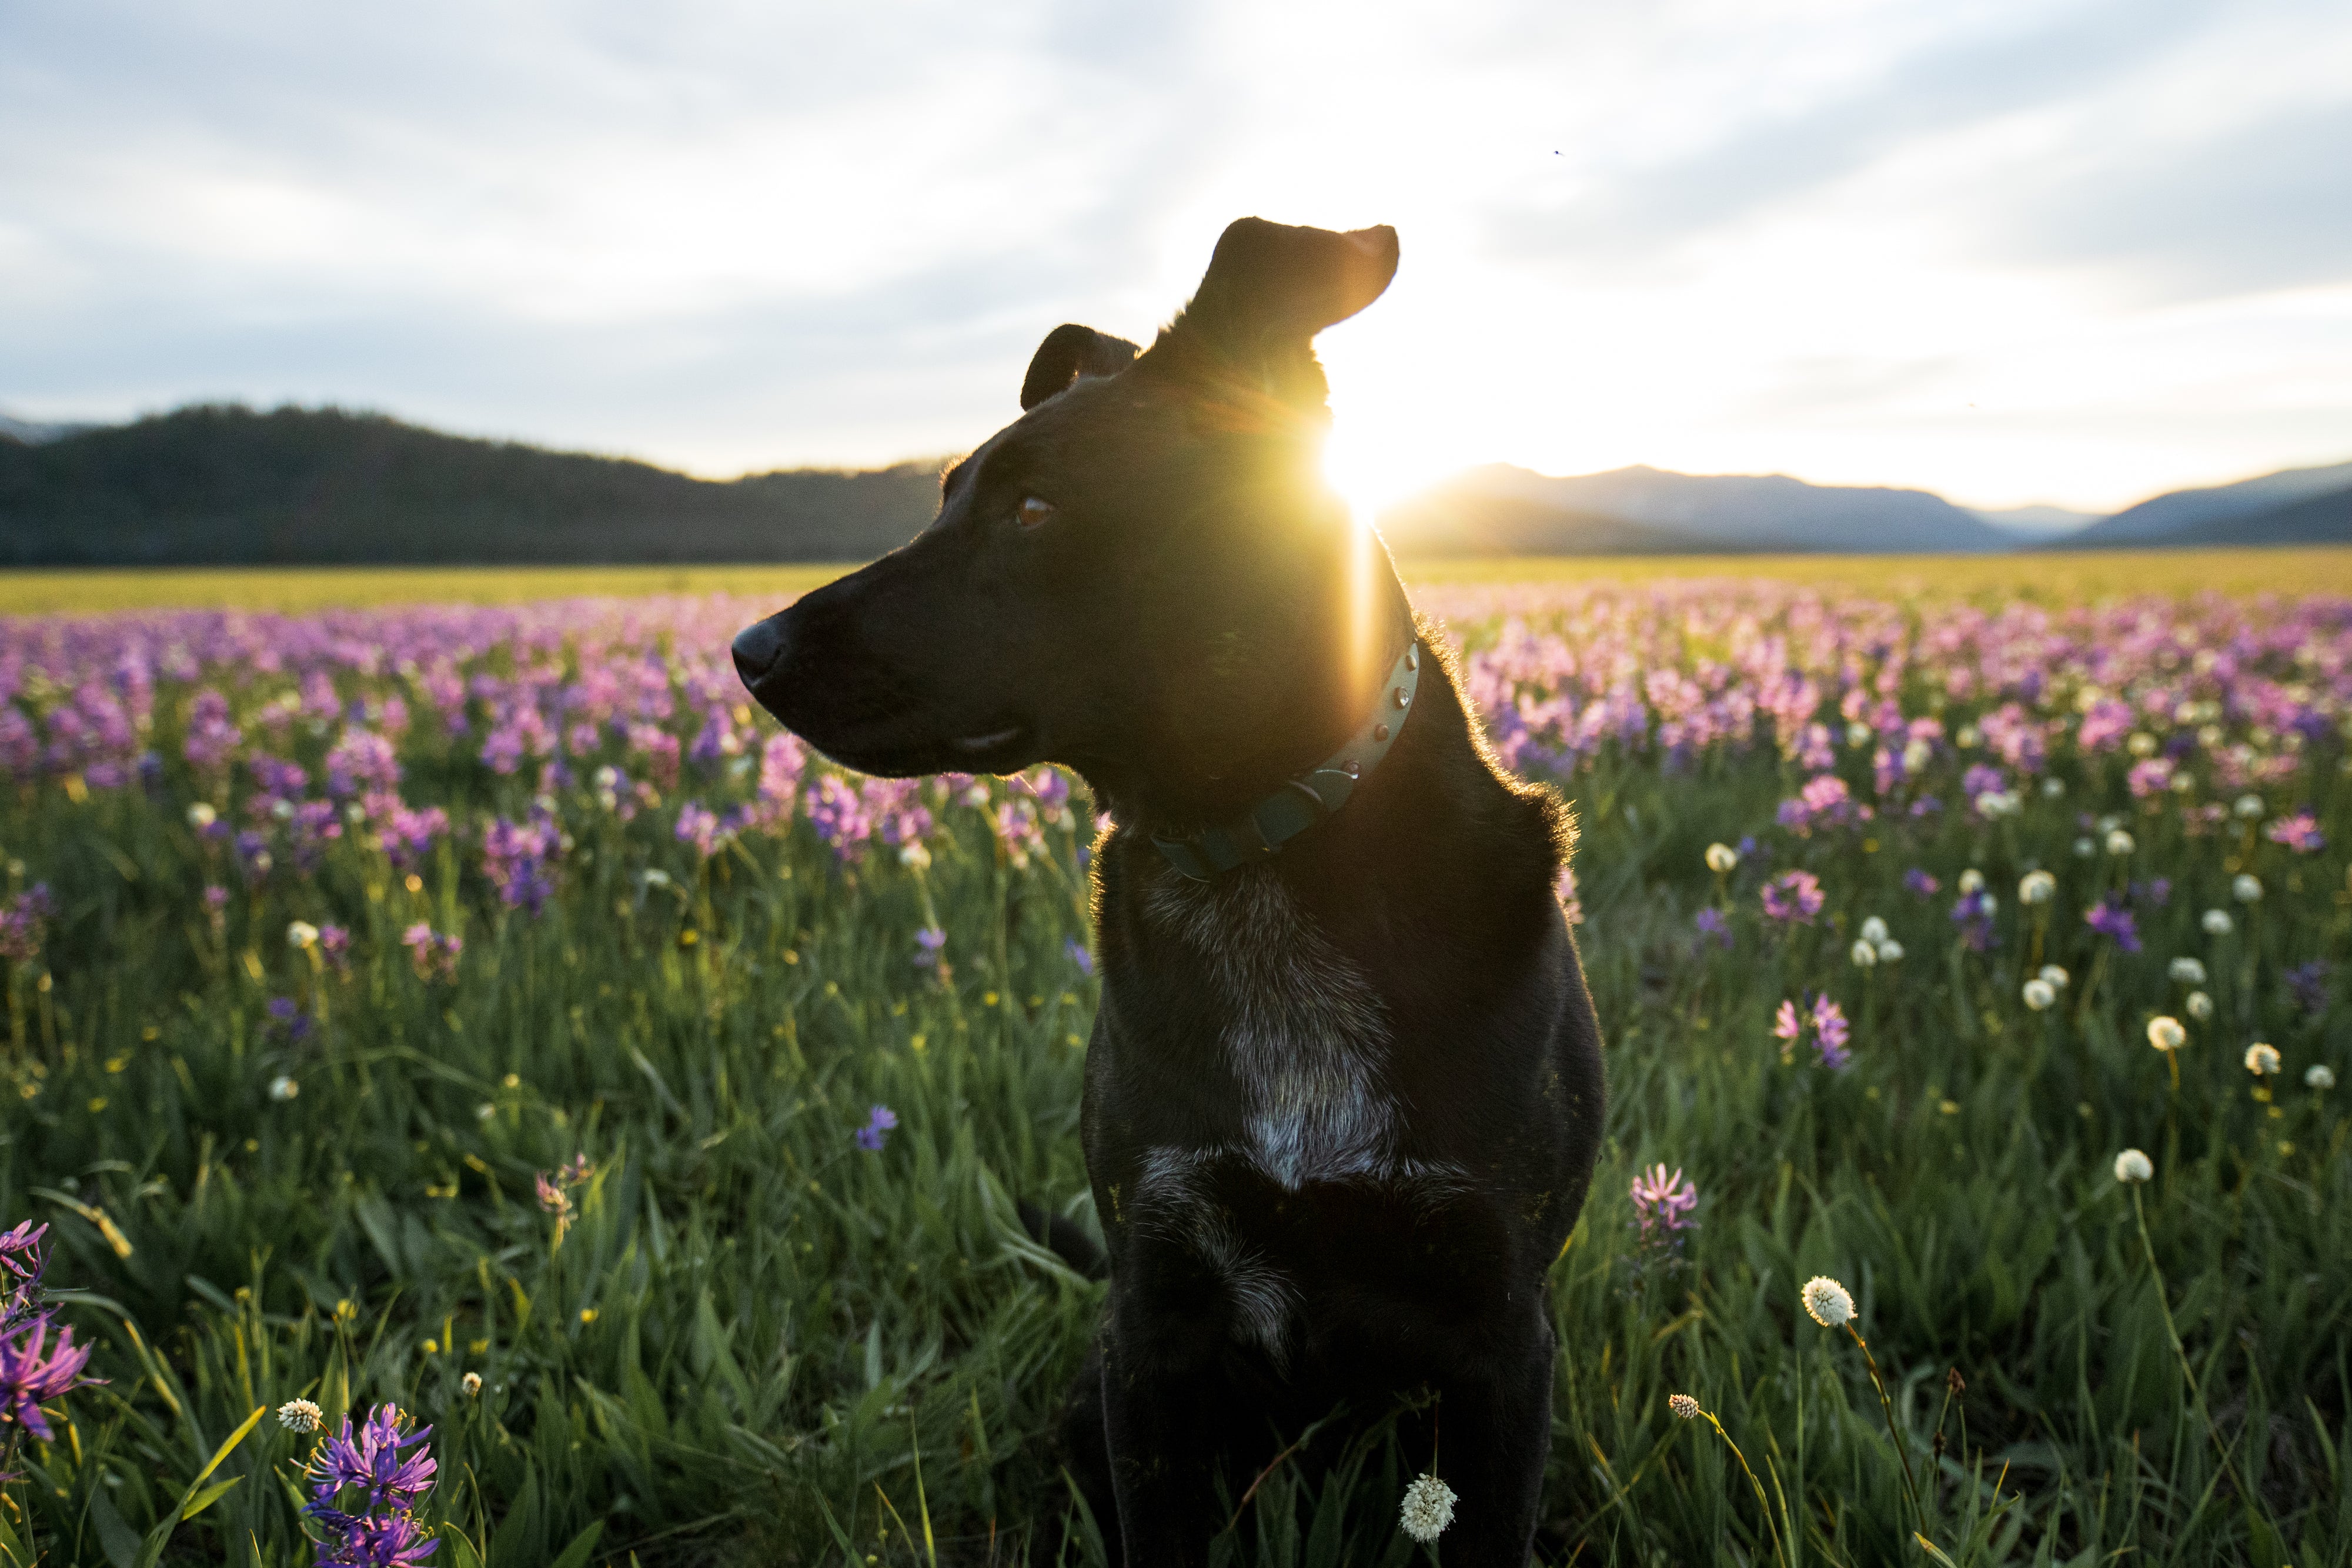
1174	789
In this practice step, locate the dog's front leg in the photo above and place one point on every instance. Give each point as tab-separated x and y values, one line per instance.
1494	1437
1162	1416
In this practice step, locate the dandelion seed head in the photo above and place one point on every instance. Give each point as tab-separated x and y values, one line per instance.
2120	842
2187	971
2040	994
2037	887
2054	975
1864	954
2319	1075
2261	1059
2198	1005
1890	951
302	935
1721	857
2132	1165
2249	807
2216	923
1872	931
472	1383
2167	1033
1428	1508
1971	881
1827	1302
2247	888
282	1088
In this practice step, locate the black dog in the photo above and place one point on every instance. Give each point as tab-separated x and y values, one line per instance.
1344	1090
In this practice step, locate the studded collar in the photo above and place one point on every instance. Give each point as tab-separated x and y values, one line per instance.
1303	802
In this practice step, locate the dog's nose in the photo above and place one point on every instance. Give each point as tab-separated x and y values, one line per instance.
755	649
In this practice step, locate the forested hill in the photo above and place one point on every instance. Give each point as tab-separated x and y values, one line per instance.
227	485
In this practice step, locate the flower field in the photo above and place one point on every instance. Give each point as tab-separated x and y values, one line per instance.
493	1099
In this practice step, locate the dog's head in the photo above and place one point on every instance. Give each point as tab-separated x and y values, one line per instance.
1144	577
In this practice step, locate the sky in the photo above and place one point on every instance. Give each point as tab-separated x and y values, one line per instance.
2066	251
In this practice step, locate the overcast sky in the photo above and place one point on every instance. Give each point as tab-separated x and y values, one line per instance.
2014	250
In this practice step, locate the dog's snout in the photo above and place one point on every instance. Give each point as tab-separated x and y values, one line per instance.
756	648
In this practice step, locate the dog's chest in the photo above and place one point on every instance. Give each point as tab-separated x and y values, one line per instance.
1300	1029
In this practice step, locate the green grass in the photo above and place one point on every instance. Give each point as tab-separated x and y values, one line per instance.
755	1331
2052	577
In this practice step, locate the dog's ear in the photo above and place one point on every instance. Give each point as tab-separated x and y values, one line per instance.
1270	287
1273	285
1068	352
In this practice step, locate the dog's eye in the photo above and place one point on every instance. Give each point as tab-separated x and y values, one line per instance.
1033	512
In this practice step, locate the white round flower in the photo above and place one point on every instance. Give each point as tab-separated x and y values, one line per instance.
1827	1302
2247	889
1874	930
1864	954
1890	951
2319	1075
2261	1059
2166	1034
1917	755
1683	1405
2037	887
2052	788
472	1383
2120	842
1968	738
2140	744
1428	1508
1971	881
2249	807
283	1088
1721	857
283	810
301	934
1999	803
2084	848
300	1415
913	853
2187	971
2199	1006
2055	975
2132	1165
2216	923
2040	994
1857	734
202	816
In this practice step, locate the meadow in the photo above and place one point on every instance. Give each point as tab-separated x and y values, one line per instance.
476	1009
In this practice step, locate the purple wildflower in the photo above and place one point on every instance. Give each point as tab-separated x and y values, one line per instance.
929	942
381	1530
1829	1033
435	957
1712	927
335	947
32	1371
2299	833
1920	883
1662	1210
24	920
2308	984
870	1136
288	1016
1972	913
1079	956
1794	896
515	856
2109	918
698	825
408	836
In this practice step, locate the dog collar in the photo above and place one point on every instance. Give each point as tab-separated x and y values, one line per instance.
1307	798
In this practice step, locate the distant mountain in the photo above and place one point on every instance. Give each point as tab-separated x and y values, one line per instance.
2037	523
227	485
2322	519
2201	515
34	432
1649	509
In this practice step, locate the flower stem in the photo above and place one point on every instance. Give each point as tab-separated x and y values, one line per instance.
1779	1553
1886	1408
2196	1394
